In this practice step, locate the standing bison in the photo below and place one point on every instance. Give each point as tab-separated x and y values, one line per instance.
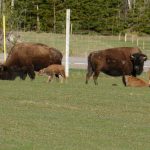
25	58
115	62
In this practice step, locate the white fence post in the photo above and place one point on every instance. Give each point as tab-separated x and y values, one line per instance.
132	38
125	37
67	42
4	36
119	36
143	45
137	42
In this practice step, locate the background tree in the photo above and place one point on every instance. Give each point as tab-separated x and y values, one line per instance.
100	16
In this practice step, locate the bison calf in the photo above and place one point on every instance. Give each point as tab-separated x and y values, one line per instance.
50	71
135	82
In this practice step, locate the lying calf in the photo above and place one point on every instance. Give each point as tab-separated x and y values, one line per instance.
135	82
50	71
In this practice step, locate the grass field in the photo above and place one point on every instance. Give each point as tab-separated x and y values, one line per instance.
35	115
81	45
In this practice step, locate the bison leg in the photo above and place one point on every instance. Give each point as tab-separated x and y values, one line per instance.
50	77
95	76
62	73
62	76
31	72
21	72
23	76
61	79
56	75
124	80
88	75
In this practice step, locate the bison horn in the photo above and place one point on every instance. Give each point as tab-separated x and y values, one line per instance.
145	58
132	57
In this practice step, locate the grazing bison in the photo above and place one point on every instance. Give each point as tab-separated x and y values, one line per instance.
115	62
135	82
50	71
25	58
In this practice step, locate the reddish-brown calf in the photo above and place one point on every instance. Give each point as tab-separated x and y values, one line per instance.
135	82
50	71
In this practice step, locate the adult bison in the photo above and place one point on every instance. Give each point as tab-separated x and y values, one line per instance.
25	58
115	62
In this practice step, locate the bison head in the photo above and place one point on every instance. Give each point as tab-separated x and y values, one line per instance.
41	72
6	73
11	73
138	63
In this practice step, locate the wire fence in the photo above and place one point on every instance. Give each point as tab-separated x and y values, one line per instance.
82	45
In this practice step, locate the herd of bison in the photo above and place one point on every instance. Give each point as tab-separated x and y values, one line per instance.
27	58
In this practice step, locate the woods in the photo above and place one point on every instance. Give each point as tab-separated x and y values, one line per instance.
109	17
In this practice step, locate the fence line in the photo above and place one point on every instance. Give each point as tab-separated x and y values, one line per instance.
81	45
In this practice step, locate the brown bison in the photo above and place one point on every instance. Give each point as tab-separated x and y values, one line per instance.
50	71
135	82
115	62
25	58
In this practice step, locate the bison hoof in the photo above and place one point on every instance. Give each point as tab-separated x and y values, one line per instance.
96	83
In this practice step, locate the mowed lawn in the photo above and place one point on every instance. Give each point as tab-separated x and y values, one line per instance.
35	115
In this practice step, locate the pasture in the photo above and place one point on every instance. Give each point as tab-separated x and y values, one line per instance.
74	116
81	45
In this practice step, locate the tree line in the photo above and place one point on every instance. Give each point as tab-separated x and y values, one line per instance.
107	17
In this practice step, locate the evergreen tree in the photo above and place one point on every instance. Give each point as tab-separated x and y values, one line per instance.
101	16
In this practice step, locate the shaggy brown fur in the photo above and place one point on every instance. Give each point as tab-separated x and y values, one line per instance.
115	62
50	71
135	82
25	58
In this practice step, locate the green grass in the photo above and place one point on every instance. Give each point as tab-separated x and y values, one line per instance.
81	45
74	116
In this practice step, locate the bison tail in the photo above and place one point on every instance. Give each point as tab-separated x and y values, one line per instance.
149	78
90	65
89	69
